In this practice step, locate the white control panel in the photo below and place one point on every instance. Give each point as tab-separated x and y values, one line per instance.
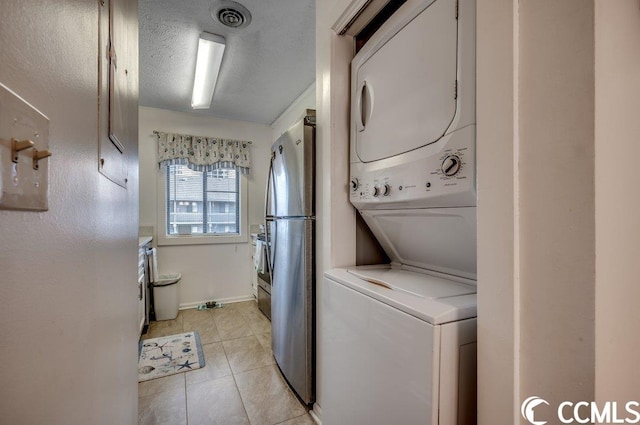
438	175
24	152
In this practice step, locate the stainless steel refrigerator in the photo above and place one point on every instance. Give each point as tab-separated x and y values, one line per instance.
290	233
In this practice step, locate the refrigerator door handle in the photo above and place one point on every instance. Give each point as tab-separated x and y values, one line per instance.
270	245
272	253
269	184
267	244
267	223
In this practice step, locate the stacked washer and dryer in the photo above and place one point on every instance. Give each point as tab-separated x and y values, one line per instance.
399	341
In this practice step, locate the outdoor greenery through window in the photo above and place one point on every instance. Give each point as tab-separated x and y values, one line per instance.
202	203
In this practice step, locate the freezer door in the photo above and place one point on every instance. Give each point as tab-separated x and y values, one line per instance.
293	162
292	302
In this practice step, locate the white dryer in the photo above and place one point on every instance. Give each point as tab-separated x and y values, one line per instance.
399	341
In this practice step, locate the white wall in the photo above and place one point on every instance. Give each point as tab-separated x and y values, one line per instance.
220	271
556	200
336	224
617	132
295	111
536	205
557	136
498	253
68	276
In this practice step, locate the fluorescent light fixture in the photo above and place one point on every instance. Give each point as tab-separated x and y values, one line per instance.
210	51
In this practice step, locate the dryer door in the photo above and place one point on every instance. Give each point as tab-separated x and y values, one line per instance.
403	82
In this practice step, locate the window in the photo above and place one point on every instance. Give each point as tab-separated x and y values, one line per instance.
200	207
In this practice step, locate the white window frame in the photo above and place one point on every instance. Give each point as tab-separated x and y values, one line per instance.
212	239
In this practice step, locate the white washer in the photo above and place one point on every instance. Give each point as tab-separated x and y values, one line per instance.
398	342
400	355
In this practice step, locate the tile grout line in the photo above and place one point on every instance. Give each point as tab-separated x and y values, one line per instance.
233	373
186	404
244	320
253	369
290	419
233	376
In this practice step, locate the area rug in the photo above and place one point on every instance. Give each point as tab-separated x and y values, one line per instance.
167	355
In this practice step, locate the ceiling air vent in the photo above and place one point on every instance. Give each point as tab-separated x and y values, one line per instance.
231	14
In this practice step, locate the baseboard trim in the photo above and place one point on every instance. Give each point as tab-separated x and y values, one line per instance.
316	413
187	306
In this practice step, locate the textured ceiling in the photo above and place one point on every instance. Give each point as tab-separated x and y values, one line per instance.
266	65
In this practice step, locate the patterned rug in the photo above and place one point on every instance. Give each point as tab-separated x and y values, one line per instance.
167	355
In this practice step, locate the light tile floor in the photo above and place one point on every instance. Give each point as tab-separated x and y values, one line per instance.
240	383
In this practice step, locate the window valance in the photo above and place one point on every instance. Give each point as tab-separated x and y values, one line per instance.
202	153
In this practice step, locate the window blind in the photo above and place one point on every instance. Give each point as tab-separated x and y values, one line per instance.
202	203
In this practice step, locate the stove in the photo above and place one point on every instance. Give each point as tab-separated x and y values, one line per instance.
264	286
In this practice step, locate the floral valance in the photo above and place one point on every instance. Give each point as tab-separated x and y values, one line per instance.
203	153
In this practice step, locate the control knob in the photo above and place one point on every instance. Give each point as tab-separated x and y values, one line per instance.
386	190
355	184
451	165
376	191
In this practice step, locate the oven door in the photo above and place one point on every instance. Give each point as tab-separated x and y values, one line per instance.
264	296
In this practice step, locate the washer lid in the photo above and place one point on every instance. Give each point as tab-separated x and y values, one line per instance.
403	88
438	301
412	283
